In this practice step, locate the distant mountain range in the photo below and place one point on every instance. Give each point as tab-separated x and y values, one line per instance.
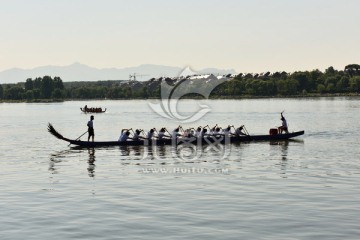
81	72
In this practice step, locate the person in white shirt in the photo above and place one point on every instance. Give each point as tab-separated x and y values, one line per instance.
239	131
216	131
203	133
175	133
213	130
227	130
136	136
191	134
150	134
125	133
284	126
161	134
198	132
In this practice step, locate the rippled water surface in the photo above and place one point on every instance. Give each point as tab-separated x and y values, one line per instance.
307	188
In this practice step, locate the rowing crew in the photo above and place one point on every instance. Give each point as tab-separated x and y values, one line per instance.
199	132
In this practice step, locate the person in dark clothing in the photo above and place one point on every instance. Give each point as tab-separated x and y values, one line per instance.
90	125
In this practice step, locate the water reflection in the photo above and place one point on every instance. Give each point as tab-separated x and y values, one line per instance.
155	152
184	152
91	162
283	146
227	155
142	152
55	159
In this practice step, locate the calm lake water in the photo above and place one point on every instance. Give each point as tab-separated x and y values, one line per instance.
302	189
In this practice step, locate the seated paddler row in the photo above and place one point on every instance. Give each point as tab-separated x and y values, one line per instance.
180	132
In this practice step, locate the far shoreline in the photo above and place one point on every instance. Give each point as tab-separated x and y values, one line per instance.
244	97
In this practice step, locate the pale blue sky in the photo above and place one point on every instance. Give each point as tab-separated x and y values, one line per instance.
248	36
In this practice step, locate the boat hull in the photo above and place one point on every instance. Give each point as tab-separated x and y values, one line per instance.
221	139
89	111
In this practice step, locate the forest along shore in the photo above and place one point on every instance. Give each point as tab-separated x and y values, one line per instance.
313	83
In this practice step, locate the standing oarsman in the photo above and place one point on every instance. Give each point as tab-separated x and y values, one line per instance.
284	126
90	125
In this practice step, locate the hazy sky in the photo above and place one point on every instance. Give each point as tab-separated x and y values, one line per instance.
248	36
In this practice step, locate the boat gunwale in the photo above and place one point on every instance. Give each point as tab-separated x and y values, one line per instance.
193	141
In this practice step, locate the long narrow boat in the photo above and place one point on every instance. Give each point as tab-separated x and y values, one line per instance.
95	110
218	139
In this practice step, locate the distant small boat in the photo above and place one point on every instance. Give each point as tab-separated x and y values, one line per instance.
92	110
205	140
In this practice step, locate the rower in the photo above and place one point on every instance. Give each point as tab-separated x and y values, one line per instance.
136	136
198	132
188	133
217	130
203	133
191	133
239	131
161	133
150	134
125	133
175	132
212	130
227	130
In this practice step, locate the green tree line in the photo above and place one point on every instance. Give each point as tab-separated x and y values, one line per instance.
303	83
297	83
39	88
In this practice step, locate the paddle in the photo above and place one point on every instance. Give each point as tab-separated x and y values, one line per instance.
142	132
233	134
247	133
214	128
168	133
131	133
79	137
207	126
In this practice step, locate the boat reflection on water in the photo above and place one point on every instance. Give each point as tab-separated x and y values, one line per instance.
131	150
284	145
233	156
283	149
144	152
57	158
91	162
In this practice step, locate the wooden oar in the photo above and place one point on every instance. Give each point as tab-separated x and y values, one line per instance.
79	137
247	133
232	134
168	133
142	132
132	131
